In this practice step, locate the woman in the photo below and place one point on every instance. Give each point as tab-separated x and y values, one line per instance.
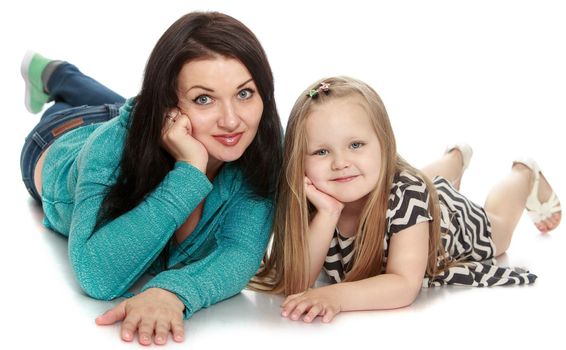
178	181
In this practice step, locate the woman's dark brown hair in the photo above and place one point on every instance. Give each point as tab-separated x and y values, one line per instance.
144	163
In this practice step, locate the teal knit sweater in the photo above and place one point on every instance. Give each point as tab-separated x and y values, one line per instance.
215	262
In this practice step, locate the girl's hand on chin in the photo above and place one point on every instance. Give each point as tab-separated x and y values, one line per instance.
322	201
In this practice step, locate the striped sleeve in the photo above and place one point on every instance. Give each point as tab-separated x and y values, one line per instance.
408	203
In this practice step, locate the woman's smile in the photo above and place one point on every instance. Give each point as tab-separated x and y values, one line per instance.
229	139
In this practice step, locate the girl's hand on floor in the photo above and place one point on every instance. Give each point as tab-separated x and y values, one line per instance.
155	311
322	302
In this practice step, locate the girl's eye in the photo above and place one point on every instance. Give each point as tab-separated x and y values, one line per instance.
245	94
321	152
202	100
356	145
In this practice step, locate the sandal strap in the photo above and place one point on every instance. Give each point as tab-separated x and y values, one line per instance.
466	151
536	210
541	211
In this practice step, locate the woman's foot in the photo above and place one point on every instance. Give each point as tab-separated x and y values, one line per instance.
32	67
543	205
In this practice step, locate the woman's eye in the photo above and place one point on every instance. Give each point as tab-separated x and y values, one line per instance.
245	94
202	100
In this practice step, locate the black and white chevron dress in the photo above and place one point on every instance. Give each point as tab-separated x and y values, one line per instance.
466	236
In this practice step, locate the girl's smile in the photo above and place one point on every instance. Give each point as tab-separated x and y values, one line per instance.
345	178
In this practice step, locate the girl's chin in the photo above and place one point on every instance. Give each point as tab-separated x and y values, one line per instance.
350	199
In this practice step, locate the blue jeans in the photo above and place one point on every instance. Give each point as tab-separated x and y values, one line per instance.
79	101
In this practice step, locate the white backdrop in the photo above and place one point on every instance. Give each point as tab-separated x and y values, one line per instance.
490	73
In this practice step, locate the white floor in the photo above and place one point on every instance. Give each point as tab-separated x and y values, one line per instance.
489	73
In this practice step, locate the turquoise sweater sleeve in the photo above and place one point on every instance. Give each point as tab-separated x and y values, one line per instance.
109	259
241	244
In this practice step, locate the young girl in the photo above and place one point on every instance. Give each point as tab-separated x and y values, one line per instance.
349	204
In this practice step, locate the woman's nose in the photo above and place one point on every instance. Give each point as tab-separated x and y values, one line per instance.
229	119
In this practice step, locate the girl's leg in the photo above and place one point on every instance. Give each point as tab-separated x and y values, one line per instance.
69	85
506	201
450	167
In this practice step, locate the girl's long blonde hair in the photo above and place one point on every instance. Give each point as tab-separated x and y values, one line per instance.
286	264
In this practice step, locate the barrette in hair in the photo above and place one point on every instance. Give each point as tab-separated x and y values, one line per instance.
324	87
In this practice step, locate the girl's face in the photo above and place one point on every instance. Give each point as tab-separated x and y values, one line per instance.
223	104
343	153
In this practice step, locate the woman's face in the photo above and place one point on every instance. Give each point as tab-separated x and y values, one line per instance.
223	104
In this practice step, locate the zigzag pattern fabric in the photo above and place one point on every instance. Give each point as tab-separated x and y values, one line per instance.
466	236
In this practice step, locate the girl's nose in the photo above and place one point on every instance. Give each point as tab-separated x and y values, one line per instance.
339	162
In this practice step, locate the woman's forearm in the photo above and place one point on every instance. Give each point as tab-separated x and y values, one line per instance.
107	260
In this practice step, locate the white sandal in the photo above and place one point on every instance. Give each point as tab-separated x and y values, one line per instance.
538	211
466	151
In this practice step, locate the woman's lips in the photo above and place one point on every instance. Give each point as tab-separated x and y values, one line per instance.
345	178
229	139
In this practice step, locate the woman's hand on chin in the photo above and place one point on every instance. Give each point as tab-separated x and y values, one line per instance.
177	139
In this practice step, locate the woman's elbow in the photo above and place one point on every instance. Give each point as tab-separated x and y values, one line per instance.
100	290
98	284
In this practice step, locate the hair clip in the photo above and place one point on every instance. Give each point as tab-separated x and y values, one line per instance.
324	87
